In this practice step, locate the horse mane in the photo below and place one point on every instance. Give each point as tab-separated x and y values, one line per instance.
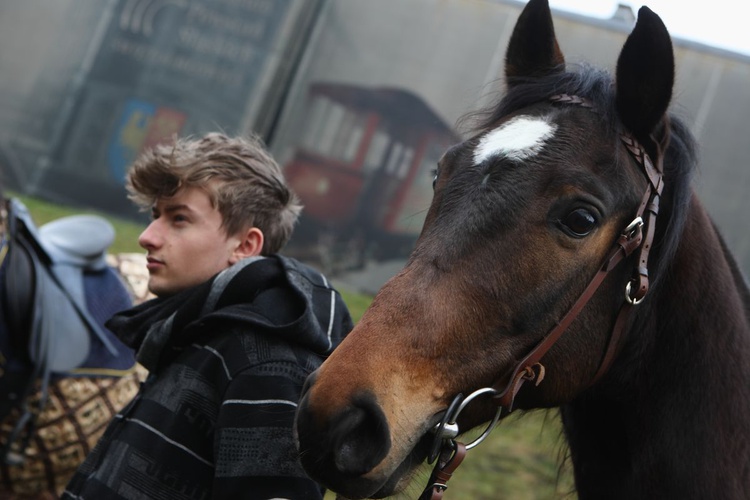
597	85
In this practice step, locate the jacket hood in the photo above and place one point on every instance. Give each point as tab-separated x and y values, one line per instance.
273	295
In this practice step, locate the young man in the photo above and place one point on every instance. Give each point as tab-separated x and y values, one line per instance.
229	340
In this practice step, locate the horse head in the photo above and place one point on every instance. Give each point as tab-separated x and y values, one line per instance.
525	212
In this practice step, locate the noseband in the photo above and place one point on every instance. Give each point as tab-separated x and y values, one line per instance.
503	393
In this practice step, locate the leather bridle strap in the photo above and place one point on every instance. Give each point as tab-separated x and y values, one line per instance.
631	238
628	241
650	204
442	472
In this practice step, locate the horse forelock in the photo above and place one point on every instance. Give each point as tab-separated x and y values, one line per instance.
595	84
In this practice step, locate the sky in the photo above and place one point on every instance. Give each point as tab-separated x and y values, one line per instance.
723	25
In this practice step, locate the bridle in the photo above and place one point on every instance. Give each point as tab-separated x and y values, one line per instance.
450	453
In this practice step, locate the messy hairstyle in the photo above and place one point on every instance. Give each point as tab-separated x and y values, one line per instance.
239	175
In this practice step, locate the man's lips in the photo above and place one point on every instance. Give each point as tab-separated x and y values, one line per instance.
152	263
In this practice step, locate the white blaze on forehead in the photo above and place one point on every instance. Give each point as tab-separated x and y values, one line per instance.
518	139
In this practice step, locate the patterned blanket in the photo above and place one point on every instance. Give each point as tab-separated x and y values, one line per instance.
76	413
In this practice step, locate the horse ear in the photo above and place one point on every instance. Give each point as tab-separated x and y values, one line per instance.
533	50
645	75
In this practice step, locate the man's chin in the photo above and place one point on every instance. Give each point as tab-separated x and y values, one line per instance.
160	289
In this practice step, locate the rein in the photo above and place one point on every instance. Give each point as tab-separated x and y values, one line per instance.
445	448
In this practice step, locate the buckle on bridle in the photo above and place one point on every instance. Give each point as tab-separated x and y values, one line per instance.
631	230
630	300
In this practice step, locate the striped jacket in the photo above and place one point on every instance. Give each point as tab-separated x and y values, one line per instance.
227	361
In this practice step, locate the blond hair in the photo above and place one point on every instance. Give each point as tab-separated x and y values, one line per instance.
239	175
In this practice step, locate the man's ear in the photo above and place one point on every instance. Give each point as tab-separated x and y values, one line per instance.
250	244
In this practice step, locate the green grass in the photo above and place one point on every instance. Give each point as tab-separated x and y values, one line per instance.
520	460
356	302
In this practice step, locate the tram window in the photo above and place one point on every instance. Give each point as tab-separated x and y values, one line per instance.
316	116
394	158
355	138
411	214
376	152
349	136
405	164
330	128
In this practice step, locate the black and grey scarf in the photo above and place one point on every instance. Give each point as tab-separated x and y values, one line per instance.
272	295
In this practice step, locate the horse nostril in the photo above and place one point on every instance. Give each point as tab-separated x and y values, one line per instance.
362	438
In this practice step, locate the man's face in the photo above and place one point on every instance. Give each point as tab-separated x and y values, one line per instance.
185	242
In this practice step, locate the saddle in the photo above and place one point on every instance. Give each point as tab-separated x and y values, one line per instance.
45	308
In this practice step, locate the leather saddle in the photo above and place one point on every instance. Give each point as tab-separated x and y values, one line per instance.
44	284
44	304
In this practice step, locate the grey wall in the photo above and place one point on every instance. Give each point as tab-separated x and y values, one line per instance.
59	109
451	54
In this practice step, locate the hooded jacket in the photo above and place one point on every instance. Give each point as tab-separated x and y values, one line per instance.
227	360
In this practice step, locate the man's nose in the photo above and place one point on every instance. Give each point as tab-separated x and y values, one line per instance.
150	238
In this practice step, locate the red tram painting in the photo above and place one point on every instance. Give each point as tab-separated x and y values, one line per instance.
363	171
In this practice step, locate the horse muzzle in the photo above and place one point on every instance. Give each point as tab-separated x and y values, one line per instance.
345	449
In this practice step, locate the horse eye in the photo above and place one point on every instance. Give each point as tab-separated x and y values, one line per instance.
434	178
579	222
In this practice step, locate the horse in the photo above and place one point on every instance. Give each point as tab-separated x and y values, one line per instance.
565	262
63	376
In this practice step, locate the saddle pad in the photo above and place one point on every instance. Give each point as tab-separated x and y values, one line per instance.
77	412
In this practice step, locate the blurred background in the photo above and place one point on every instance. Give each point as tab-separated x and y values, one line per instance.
357	99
